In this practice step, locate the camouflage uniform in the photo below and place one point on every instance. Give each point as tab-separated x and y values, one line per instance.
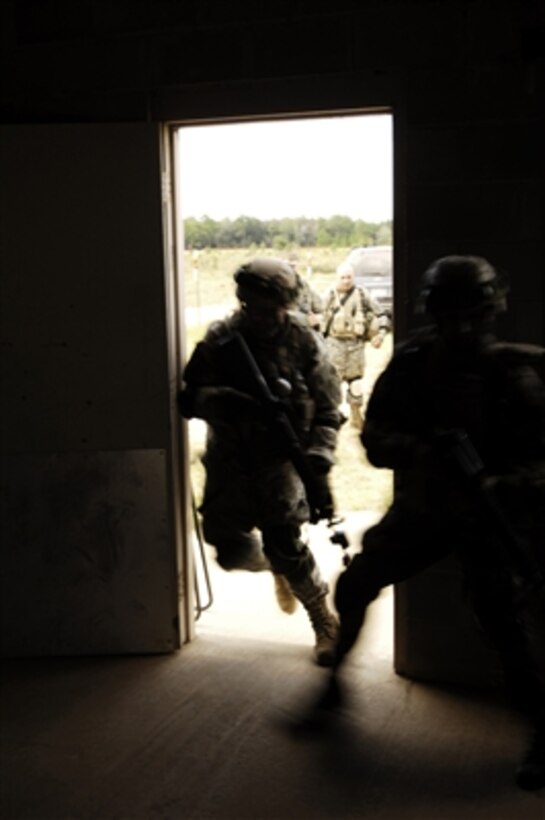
495	393
254	500
264	488
349	321
308	303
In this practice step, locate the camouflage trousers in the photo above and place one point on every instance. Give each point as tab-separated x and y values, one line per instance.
348	356
252	516
405	542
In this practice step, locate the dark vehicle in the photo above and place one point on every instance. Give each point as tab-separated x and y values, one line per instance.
373	269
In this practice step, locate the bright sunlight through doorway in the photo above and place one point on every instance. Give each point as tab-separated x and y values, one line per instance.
312	190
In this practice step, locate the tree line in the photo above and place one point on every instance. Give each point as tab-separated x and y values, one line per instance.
246	231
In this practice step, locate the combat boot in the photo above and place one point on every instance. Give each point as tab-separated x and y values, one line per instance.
312	592
326	630
284	594
530	774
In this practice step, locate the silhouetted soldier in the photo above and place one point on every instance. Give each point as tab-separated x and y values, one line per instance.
256	378
307	301
461	417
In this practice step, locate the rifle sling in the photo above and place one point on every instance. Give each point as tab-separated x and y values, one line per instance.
342	301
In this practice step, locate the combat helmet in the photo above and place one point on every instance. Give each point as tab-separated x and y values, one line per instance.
462	285
268	277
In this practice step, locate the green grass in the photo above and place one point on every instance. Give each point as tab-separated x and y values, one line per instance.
208	274
355	483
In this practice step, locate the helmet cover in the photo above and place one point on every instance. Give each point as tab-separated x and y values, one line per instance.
267	277
461	284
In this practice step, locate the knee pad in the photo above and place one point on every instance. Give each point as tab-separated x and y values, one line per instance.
288	555
355	391
282	539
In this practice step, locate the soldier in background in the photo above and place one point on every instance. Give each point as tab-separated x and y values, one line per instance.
461	417
350	319
307	301
254	499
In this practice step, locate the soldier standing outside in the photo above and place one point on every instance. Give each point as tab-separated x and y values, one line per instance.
307	301
350	319
255	501
461	417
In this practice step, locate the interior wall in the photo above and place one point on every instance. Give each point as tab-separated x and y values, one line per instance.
465	81
83	276
88	547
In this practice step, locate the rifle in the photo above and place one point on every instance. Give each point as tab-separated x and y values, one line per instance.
528	577
240	359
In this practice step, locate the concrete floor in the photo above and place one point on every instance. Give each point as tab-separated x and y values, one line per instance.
208	733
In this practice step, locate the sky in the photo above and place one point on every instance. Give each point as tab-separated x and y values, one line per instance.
269	170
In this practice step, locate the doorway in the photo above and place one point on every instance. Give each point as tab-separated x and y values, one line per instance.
315	190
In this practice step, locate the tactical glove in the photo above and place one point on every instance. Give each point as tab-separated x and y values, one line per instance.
321	500
322	506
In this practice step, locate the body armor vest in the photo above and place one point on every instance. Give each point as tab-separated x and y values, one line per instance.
345	315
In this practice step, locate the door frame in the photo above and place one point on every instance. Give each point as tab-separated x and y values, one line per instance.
180	496
174	247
